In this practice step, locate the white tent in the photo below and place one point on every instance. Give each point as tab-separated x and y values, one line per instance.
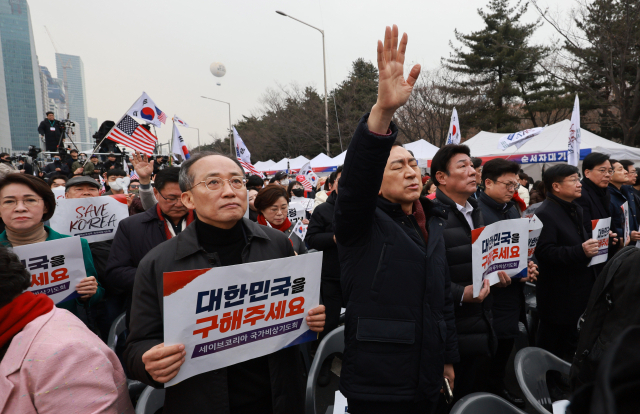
322	160
549	147
422	151
298	162
293	163
339	159
264	165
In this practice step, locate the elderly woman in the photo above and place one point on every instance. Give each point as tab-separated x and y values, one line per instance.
49	361
272	204
26	202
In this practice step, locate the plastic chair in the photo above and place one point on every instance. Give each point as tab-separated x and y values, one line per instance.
531	366
484	403
531	310
151	400
117	328
332	343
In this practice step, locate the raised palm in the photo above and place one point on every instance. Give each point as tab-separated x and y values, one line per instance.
393	89
143	167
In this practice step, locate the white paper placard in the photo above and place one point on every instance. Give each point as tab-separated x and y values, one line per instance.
231	314
625	213
535	228
56	267
94	218
600	229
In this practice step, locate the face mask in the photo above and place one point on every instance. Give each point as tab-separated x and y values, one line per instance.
134	190
284	182
120	183
298	192
56	159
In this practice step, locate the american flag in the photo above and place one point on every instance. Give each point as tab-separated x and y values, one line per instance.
161	115
130	133
249	167
305	183
133	175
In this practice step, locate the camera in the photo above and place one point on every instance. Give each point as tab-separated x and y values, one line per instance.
33	151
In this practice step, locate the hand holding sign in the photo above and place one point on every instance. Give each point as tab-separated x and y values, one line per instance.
163	362
590	247
467	296
87	288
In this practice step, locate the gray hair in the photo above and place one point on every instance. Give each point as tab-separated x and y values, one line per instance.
186	179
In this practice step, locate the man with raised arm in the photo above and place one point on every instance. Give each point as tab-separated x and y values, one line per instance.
400	337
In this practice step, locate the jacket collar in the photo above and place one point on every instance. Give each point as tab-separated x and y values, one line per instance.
188	238
150	215
394	210
491	203
332	198
444	199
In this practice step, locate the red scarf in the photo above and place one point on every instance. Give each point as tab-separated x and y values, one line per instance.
167	232
15	315
518	200
418	214
283	227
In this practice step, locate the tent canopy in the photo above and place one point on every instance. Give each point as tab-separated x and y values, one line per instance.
422	151
264	165
322	160
339	159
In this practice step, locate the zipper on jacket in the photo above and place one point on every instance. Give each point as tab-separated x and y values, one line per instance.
375	275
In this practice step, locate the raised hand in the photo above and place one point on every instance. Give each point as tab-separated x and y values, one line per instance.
143	167
393	89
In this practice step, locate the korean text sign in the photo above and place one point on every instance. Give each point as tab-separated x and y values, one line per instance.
56	267
94	219
231	314
600	229
535	228
501	246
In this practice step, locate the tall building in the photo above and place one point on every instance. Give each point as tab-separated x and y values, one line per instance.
44	88
55	93
71	70
21	80
93	127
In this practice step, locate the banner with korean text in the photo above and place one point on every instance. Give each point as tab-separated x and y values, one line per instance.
535	228
56	267
501	246
231	314
94	218
600	229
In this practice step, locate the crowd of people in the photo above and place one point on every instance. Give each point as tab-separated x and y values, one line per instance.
397	254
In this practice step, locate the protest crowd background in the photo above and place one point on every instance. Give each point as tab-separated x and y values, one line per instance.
420	270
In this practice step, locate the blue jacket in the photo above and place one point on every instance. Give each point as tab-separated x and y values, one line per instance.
618	198
399	325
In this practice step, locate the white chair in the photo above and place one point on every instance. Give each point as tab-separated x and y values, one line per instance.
150	401
332	343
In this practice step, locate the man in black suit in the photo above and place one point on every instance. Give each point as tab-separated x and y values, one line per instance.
51	129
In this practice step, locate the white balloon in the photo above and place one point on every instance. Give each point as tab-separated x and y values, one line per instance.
217	69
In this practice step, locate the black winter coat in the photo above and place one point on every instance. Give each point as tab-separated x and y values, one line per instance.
595	206
473	320
51	136
399	327
618	198
50	169
320	237
565	280
507	301
207	392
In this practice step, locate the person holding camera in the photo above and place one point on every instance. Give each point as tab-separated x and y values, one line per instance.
51	129
6	167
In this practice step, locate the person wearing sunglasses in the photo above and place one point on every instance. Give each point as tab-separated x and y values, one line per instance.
214	185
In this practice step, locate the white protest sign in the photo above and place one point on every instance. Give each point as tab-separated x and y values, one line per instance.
601	233
59	193
296	211
531	210
231	314
94	218
306	202
535	228
56	267
340	405
501	246
299	230
625	213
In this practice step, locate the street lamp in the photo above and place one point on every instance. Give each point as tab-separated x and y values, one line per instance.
230	130
324	62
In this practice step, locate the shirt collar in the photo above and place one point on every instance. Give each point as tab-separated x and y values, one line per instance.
467	208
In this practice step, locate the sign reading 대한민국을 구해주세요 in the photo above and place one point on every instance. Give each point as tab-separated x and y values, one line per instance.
601	229
55	266
231	314
501	246
94	218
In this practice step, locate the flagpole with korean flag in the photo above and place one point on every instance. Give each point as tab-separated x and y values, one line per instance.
453	136
573	153
178	146
243	155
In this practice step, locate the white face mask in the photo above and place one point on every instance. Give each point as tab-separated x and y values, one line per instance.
120	183
284	182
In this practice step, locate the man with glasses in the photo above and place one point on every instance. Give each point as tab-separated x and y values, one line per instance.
564	251
621	193
138	234
213	185
500	180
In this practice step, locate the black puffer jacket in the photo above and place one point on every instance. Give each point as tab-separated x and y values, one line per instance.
473	320
207	392
399	327
507	301
320	237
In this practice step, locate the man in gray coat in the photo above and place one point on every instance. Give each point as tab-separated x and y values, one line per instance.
214	186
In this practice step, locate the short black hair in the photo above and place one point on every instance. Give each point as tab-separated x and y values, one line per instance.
496	167
626	164
49	112
556	174
57	177
73	150
477	162
612	161
255	182
187	180
116	171
14	278
168	175
522	175
440	161
592	160
332	177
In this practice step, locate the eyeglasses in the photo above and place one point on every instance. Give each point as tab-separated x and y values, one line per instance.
215	183
605	171
171	200
510	186
28	202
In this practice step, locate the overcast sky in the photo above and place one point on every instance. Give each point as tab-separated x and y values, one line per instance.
165	48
